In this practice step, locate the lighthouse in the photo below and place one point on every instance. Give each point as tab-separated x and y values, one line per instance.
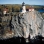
23	8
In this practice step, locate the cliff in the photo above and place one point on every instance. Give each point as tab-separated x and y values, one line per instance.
28	23
22	25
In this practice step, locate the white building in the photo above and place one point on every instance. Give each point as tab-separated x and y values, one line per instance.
5	10
31	9
23	8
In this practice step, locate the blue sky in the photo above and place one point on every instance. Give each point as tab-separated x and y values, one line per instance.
30	2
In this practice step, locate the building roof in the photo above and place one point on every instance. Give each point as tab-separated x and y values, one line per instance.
5	9
23	4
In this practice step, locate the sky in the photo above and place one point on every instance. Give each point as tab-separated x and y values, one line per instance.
30	2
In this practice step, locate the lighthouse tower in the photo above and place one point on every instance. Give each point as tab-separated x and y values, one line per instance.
23	8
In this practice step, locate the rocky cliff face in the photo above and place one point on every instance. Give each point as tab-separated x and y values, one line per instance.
28	23
22	25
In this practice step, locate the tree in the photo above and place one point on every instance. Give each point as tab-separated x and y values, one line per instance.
12	9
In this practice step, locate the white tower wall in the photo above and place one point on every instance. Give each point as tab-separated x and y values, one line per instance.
23	9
